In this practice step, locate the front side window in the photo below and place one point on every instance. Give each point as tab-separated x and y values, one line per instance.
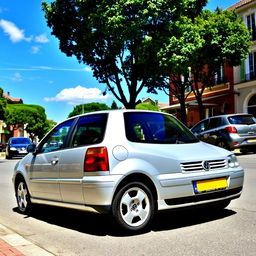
89	130
55	140
200	127
156	128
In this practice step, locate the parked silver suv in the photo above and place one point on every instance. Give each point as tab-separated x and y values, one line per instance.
129	163
228	131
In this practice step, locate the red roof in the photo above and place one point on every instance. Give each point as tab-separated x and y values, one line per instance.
12	100
240	4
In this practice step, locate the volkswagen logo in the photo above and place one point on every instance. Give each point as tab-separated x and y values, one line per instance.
206	165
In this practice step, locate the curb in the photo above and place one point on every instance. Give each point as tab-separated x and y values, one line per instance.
13	244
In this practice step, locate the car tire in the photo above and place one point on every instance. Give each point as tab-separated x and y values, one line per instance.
8	156
23	197
133	207
223	144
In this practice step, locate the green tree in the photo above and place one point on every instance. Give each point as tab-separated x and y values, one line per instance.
119	39
114	105
147	106
33	117
197	53
3	104
89	107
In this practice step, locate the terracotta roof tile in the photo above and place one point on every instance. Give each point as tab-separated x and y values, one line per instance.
13	100
240	4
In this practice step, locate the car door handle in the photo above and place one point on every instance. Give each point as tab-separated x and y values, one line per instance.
54	161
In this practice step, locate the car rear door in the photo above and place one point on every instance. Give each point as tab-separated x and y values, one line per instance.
88	132
214	130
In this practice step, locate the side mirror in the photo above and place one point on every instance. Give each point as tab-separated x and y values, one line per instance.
31	148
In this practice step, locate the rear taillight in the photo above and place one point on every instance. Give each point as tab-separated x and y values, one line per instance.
231	129
96	159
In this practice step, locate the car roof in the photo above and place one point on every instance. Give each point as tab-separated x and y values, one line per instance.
115	111
228	115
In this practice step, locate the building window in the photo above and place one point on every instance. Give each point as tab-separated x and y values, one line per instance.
251	26
252	105
219	75
252	66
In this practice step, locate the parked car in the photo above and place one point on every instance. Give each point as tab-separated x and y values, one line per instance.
17	146
228	131
129	163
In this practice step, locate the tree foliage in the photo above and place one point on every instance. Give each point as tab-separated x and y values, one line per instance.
120	39
89	107
147	106
32	116
197	52
3	104
114	105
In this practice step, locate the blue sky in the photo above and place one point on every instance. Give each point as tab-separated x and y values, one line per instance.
33	68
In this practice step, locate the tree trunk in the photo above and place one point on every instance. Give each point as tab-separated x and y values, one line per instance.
183	112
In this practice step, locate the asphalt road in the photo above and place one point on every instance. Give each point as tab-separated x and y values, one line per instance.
68	232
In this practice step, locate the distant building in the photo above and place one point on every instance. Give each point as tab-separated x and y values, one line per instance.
154	102
235	87
245	74
16	130
11	100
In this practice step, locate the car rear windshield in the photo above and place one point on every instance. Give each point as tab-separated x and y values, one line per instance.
20	141
243	119
156	128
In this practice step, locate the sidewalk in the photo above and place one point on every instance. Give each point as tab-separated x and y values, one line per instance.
12	244
2	155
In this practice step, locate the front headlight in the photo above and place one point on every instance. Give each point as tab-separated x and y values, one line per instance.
232	161
13	148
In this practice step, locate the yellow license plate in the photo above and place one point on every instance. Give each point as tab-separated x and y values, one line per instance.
251	140
210	185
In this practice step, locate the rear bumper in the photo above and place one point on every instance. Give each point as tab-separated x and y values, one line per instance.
179	192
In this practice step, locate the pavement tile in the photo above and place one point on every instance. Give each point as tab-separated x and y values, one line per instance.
13	244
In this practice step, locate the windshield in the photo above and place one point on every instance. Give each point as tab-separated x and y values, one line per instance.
156	128
243	119
20	141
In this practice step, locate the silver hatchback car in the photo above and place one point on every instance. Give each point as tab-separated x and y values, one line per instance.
130	163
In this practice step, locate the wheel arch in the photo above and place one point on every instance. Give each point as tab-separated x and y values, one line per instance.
139	177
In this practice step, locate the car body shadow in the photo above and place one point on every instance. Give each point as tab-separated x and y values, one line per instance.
103	225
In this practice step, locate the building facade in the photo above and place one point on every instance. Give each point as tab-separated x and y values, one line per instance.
235	88
245	74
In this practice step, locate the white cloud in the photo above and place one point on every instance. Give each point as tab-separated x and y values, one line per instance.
35	49
42	39
79	95
88	69
15	34
17	77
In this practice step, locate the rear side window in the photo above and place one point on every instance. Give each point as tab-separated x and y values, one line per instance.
243	119
89	130
214	123
156	128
